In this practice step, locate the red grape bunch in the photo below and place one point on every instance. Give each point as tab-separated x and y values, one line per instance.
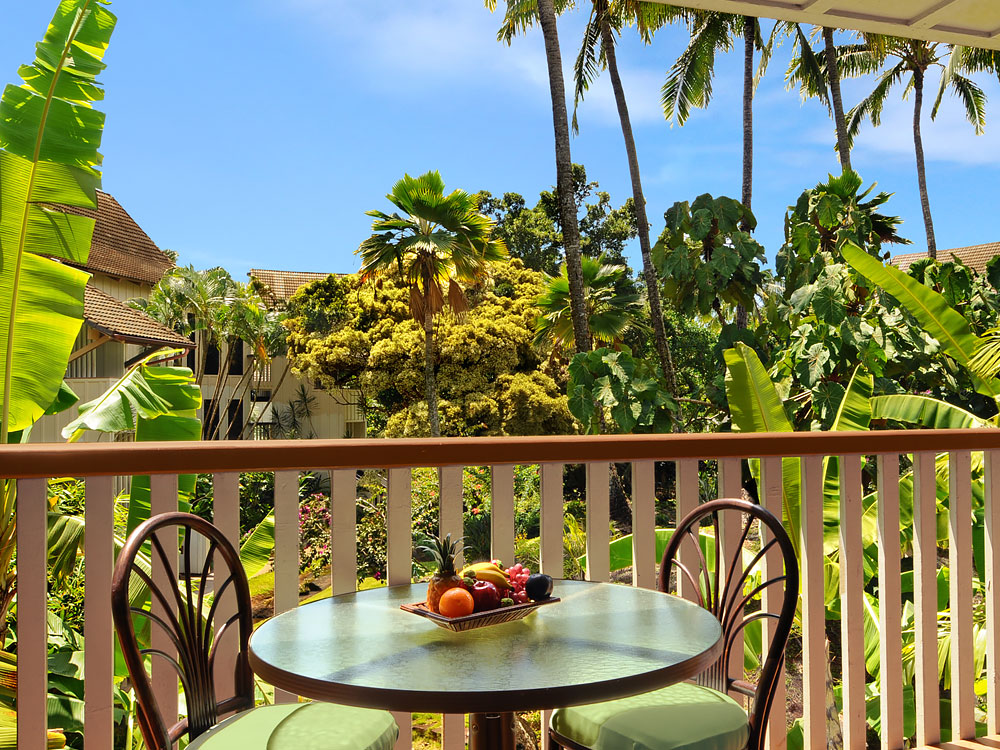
518	575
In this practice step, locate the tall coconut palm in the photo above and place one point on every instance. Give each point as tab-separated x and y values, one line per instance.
913	59
819	76
599	39
609	313
519	16
437	239
689	81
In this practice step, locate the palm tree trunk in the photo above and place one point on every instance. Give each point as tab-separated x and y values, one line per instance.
648	271
925	204
833	72
564	175
430	386
274	391
749	39
749	44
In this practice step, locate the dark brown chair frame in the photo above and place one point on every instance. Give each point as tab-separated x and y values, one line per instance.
194	636
720	590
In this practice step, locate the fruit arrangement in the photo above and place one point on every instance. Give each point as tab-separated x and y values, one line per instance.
479	587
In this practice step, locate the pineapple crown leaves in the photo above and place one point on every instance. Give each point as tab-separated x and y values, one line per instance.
442	550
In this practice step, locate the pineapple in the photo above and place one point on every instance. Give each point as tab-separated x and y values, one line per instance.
443	550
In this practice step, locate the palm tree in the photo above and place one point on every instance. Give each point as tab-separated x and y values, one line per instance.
820	77
606	20
609	313
438	239
689	82
914	58
520	15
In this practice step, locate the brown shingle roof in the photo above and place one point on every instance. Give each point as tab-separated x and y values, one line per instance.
120	248
123	323
974	256
283	284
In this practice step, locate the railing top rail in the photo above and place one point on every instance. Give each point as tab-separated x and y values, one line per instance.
98	459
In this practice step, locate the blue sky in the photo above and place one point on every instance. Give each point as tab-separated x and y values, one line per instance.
256	134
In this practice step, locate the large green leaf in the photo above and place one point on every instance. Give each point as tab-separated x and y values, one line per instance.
50	135
926	412
930	309
756	407
255	552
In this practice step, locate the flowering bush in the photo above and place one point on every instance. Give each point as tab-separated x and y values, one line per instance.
314	533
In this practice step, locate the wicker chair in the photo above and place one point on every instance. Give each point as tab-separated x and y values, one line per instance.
690	716
196	638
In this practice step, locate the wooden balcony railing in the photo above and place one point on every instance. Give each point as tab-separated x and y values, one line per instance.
99	464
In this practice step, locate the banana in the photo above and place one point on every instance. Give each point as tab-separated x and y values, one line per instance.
471	569
496	577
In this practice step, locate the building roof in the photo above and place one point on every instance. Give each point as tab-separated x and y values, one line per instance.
974	23
120	248
974	256
281	285
123	323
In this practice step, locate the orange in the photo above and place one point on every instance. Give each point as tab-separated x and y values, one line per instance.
456	602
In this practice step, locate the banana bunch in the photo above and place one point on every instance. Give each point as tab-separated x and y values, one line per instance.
487	571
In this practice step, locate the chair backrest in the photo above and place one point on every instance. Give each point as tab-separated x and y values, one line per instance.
731	590
182	616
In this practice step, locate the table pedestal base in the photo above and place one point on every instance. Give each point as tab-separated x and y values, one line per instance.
491	731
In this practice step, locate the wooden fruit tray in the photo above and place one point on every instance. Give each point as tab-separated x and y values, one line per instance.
477	619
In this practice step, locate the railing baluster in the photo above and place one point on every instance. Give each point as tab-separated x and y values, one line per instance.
687	493
450	520
730	485
502	513
852	621
226	516
598	522
399	562
163	499
771	498
343	531
963	697
890	610
32	630
99	655
643	524
286	551
925	598
551	522
992	577
813	606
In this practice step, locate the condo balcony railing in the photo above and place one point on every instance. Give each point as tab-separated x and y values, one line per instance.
923	458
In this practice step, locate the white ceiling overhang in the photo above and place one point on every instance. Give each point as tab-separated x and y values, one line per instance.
974	23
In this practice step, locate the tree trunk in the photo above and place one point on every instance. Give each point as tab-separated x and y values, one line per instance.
430	386
274	392
648	271
220	382
749	38
833	71
918	144
564	176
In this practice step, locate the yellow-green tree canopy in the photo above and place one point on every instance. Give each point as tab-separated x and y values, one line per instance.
345	334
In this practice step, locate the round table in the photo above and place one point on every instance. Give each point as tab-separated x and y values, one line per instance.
601	641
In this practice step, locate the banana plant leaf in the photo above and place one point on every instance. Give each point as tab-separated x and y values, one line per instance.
50	134
930	309
756	407
255	552
65	543
925	412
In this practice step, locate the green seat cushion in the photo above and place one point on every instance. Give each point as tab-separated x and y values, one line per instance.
302	726
680	717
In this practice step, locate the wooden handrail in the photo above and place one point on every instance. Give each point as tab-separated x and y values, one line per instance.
99	459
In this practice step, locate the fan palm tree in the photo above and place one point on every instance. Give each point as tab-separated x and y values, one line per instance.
689	81
913	59
609	313
437	239
519	16
599	39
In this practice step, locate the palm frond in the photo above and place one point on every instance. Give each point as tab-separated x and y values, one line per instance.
973	99
689	82
871	106
587	66
807	71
